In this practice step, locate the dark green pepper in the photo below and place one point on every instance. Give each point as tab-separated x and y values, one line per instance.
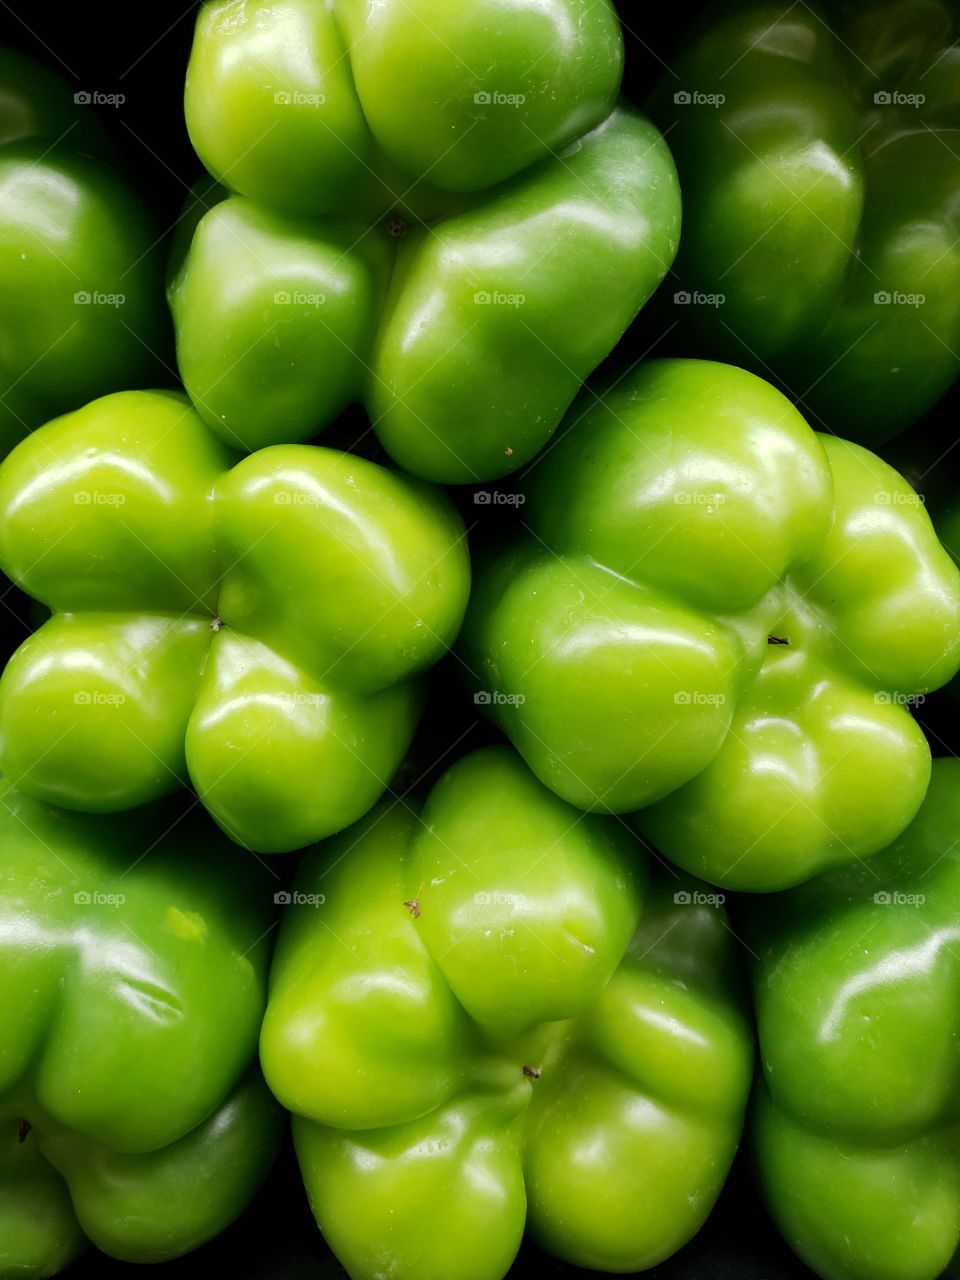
81	270
819	158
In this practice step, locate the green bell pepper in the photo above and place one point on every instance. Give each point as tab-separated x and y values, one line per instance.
719	619
857	985
818	160
257	627
491	1017
464	314
81	274
134	956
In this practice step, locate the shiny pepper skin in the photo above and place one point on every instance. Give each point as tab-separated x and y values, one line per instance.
256	626
492	1018
817	151
438	210
718	619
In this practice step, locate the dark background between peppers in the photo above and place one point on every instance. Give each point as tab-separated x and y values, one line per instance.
141	52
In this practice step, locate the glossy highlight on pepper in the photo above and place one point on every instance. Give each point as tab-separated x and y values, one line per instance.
439	211
496	1019
256	626
857	985
718	619
134	953
817	151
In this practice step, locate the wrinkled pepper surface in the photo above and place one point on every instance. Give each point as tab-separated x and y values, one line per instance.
439	210
256	628
491	1017
134	954
817	149
719	618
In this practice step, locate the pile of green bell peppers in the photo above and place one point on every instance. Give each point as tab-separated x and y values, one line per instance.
615	840
444	213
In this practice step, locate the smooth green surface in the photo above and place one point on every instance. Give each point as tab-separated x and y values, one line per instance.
81	287
817	153
257	627
857	985
134	954
440	212
685	521
489	1017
